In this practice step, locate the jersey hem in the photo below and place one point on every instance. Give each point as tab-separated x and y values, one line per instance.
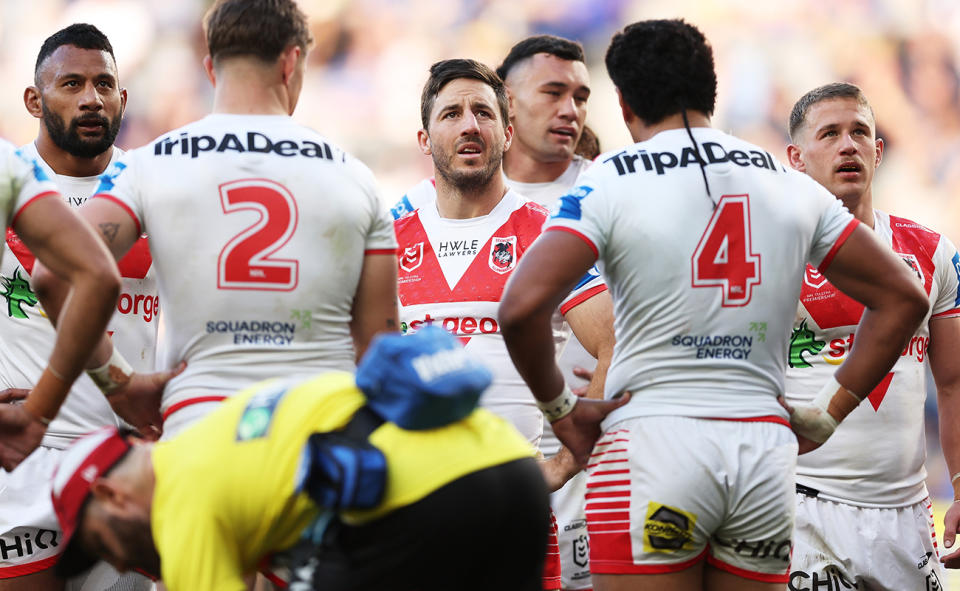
125	208
748	574
582	297
593	247
836	245
761	419
921	497
190	402
28	203
22	570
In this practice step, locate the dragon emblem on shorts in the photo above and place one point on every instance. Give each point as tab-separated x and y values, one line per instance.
803	340
503	254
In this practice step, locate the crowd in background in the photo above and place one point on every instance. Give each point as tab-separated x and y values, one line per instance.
371	57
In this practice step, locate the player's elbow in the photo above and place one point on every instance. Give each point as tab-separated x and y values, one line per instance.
513	314
916	304
101	278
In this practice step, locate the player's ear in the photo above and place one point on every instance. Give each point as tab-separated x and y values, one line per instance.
507	137
209	70
32	101
794	154
879	151
423	140
123	100
628	114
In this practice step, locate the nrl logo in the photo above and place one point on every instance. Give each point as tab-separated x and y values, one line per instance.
412	257
813	278
503	254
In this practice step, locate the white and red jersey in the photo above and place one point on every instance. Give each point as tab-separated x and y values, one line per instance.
704	288
876	457
27	336
258	230
569	350
452	273
21	181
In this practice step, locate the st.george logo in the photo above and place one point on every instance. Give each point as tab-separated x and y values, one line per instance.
503	254
411	257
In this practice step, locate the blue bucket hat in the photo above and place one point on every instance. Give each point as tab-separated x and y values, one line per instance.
421	381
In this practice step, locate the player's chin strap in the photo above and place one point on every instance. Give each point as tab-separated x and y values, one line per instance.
696	149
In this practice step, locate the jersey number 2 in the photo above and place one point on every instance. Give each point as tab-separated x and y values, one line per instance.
724	257
246	262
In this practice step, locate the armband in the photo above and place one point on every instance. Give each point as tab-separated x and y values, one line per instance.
112	375
559	407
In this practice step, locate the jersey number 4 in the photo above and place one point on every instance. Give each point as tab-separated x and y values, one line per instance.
246	261
724	257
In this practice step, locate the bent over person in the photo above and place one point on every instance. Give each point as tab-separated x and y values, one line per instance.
703	239
210	505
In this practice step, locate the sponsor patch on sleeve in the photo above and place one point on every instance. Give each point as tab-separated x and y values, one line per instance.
568	207
108	178
402	208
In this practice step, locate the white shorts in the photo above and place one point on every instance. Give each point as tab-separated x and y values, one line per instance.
29	531
665	492
567	504
841	546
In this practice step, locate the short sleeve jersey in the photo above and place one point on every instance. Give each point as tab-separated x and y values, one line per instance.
858	464
28	336
227	491
452	274
704	287
22	180
258	229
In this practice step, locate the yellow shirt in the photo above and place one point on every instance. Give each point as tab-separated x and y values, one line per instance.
224	496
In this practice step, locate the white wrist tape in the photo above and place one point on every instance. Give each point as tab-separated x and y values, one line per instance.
559	407
112	375
812	420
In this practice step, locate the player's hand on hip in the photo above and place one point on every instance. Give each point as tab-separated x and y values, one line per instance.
580	429
805	420
951	525
138	402
559	469
20	434
13	395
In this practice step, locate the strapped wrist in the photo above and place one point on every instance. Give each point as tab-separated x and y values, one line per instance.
112	375
559	407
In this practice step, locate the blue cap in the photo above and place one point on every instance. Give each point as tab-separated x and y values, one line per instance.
421	381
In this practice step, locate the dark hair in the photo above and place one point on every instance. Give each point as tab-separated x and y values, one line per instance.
531	46
257	28
588	146
446	71
79	35
834	90
662	67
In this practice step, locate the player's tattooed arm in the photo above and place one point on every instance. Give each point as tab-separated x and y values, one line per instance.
109	231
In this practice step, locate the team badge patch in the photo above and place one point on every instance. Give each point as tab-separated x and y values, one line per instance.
813	278
412	257
914	264
503	254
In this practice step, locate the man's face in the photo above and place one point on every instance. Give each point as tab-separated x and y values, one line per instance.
549	106
82	103
837	146
466	136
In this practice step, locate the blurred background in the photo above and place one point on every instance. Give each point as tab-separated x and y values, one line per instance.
371	58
